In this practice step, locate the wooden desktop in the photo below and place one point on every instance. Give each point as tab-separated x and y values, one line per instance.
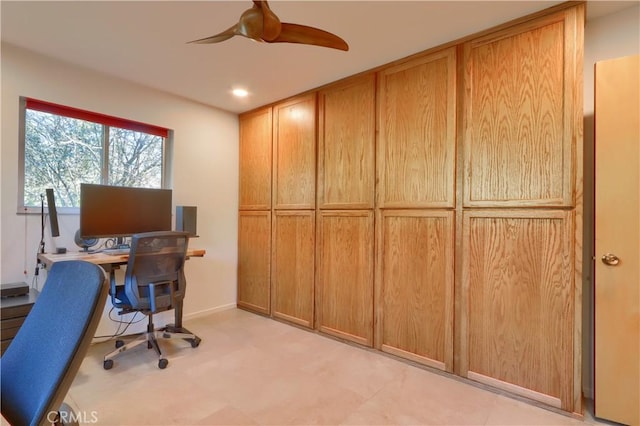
105	260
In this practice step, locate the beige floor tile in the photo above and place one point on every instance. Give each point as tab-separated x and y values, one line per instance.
251	370
509	411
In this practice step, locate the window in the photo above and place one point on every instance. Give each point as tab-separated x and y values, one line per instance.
62	147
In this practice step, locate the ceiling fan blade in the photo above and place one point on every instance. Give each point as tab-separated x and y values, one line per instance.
225	35
294	33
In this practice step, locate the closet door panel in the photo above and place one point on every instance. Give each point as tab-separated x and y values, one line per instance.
293	266
346	145
417	121
415	295
519	115
255	160
294	154
345	275
254	260
518	299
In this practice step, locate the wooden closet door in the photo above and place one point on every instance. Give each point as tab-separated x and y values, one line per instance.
521	137
293	266
255	160
254	260
415	289
522	95
346	145
518	302
345	274
294	156
417	121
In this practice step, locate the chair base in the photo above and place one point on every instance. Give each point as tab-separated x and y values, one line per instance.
151	337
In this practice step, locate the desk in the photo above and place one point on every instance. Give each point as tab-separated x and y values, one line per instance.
109	263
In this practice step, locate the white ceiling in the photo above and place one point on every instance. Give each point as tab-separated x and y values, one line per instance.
145	41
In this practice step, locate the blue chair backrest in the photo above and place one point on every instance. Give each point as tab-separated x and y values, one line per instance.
41	362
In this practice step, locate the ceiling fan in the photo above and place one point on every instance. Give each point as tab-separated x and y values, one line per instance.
261	24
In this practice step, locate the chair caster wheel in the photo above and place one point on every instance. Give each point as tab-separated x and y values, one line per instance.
195	342
119	344
162	363
107	364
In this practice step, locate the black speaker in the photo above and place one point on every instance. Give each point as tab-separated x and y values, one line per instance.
187	219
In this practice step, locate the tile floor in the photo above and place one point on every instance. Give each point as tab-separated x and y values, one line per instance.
250	370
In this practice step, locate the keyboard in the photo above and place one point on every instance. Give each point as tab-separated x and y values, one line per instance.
116	252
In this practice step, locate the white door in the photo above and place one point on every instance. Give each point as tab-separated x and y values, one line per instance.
617	240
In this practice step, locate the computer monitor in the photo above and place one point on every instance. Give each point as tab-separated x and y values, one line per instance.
117	211
53	213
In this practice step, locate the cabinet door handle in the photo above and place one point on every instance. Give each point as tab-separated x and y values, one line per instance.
610	259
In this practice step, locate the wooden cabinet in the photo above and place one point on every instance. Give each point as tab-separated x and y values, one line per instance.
294	153
254	216
293	266
346	145
522	91
345	274
521	261
415	290
518	299
346	181
254	260
448	208
255	160
417	138
416	161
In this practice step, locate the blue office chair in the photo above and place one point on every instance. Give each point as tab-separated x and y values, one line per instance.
43	359
154	282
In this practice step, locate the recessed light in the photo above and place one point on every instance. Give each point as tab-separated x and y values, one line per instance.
241	93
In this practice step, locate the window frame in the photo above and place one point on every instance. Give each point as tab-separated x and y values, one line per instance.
107	121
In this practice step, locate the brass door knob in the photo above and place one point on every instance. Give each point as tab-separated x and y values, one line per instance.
610	259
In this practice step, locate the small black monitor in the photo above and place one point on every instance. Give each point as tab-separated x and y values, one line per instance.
53	213
118	211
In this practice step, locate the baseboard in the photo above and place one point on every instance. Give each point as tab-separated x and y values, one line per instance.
210	311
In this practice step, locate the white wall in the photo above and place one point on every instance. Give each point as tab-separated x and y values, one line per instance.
205	170
606	37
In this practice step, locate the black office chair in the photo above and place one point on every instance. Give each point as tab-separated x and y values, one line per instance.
154	282
43	359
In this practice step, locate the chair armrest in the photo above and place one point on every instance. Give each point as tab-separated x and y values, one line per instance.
112	287
152	293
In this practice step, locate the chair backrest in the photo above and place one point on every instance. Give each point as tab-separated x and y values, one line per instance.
41	362
156	258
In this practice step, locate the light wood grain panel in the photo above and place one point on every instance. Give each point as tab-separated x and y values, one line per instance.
518	299
416	285
346	145
519	115
293	266
417	116
255	160
574	52
345	274
294	135
254	260
617	231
